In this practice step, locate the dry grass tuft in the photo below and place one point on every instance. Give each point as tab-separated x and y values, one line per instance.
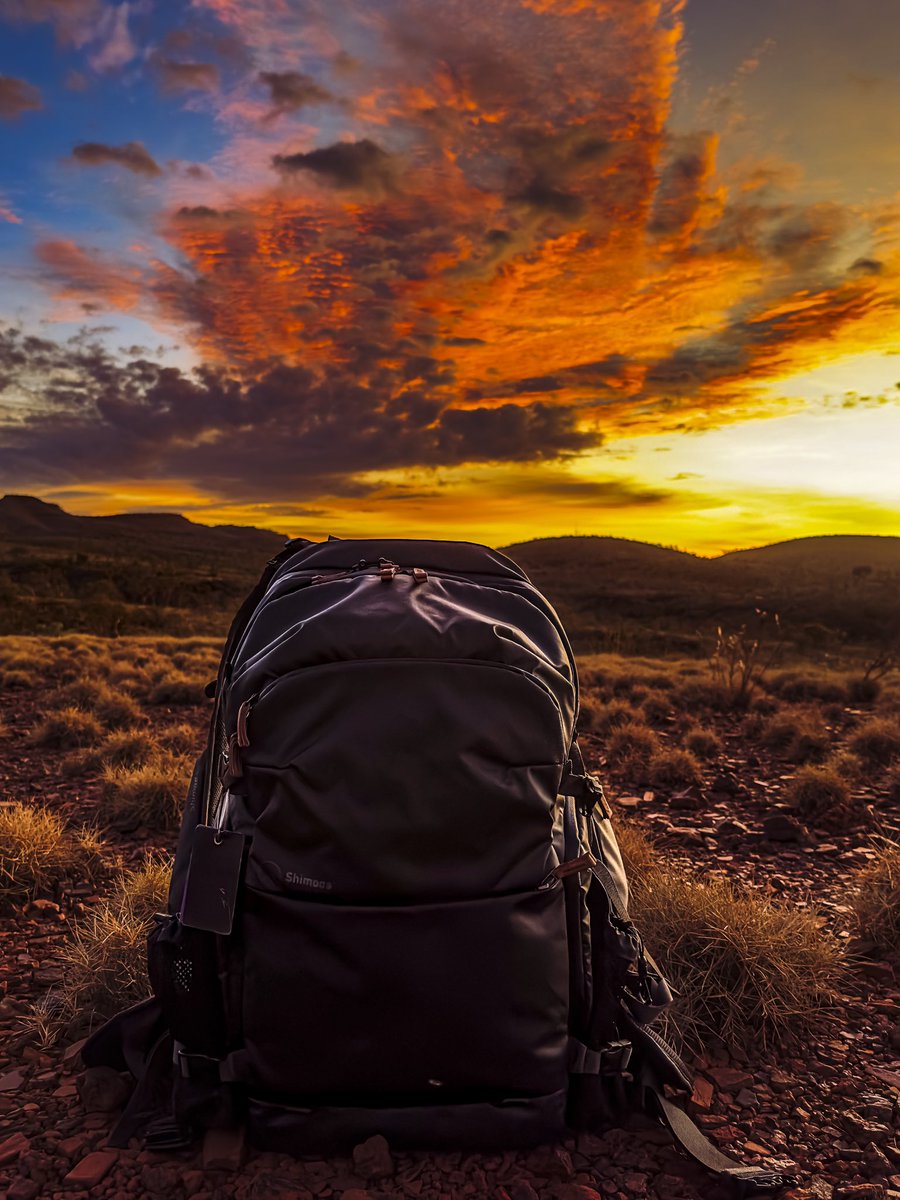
105	962
822	796
671	767
631	745
747	970
601	718
638	852
876	899
38	850
704	743
182	739
151	794
798	734
121	748
66	729
113	707
877	742
177	688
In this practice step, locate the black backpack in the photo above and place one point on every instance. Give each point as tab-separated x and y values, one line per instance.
397	904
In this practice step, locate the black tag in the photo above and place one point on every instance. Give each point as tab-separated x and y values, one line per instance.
213	877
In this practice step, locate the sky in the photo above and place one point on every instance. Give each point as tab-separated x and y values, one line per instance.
486	271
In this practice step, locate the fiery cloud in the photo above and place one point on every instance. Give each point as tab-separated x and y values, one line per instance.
441	234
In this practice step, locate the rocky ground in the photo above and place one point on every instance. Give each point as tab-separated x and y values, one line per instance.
832	1107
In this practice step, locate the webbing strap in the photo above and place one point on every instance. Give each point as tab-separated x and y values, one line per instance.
778	1173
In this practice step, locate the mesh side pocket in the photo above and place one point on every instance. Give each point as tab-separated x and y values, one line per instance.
183	968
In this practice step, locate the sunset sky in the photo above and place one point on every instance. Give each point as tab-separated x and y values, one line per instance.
478	269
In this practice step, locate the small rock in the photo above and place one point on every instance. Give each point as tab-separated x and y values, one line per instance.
12	1147
729	1079
521	1189
192	1182
731	827
875	1107
91	1169
702	1095
22	1188
42	907
782	827
102	1090
71	1052
551	1163
12	1081
866	1131
356	1194
372	1158
860	1191
636	1183
224	1149
747	1099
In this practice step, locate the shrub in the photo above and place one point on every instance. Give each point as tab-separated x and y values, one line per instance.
151	794
638	853
747	970
876	899
113	707
631	744
121	748
17	679
703	742
673	767
791	685
862	690
798	734
182	739
877	741
67	728
656	707
703	693
105	961
823	798
177	688
37	850
601	718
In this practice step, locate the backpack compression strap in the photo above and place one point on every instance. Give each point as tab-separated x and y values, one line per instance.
216	737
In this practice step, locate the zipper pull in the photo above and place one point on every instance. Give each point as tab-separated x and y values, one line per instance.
387	569
243	714
360	566
419	575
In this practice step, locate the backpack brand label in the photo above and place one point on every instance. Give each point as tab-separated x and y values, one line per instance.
321	885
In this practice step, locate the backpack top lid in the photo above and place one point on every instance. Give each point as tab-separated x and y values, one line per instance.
434	554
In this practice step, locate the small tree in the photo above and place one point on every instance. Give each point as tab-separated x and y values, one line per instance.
741	659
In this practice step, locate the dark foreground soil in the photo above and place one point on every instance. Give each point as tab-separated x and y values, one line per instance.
832	1107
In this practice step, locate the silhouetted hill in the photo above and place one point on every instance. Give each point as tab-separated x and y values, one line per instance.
161	572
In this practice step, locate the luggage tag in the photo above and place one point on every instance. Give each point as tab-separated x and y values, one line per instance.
210	891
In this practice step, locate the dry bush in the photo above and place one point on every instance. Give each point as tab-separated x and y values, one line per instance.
876	899
638	852
105	962
877	741
704	743
656	707
151	794
121	748
747	970
601	718
182	738
823	798
672	767
702	693
796	685
113	707
798	734
177	688
18	679
861	690
38	850
631	745
66	729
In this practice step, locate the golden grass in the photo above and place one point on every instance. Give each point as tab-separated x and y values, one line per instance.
798	734
877	741
876	899
120	748
601	718
38	851
670	766
151	794
631	745
110	705
824	799
66	729
704	743
748	971
104	963
177	688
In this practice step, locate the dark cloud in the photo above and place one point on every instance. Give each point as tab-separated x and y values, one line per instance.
133	156
17	96
361	165
680	192
187	76
866	266
295	431
291	90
